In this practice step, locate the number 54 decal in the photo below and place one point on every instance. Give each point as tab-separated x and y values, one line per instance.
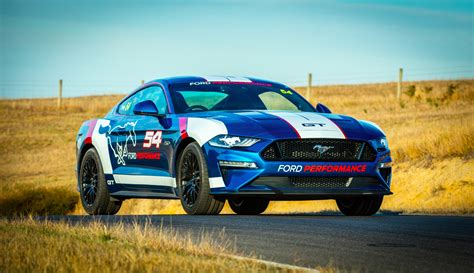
152	138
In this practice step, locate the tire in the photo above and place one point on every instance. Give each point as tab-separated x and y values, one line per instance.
360	206
193	182
95	197
248	206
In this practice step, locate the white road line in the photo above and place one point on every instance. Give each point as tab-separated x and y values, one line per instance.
273	264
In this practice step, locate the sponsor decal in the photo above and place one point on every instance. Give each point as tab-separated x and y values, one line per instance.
120	150
286	92
199	83
290	168
110	182
126	106
144	156
148	156
340	168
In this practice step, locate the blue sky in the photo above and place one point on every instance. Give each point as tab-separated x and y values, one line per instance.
110	46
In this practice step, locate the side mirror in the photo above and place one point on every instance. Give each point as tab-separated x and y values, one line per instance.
321	108
146	108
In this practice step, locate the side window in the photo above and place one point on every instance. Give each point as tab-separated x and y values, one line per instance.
153	93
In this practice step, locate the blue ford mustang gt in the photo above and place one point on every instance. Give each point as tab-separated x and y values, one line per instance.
205	140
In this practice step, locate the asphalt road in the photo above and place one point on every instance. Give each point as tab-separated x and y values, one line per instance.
382	243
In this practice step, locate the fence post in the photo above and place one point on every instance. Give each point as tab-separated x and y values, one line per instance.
308	88
399	87
60	95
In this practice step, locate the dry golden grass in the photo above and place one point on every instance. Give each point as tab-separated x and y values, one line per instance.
33	246
430	133
38	154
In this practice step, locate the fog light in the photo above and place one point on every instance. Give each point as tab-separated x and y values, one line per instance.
238	164
385	165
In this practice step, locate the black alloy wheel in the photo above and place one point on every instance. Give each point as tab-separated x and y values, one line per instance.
89	181
191	179
95	197
193	183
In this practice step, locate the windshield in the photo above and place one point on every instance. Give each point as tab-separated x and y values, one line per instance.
209	96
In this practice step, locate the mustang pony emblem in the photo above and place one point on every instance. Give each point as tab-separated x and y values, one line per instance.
322	149
121	147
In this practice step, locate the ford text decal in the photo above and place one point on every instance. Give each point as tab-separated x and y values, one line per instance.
322	168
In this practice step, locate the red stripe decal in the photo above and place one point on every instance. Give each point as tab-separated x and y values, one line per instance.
183	125
339	129
291	126
239	83
90	131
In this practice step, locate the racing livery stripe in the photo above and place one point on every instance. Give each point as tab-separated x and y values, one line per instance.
90	130
345	136
204	129
183	124
99	140
145	180
258	124
289	125
226	79
311	125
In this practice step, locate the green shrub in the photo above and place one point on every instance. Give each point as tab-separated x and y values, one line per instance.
427	89
432	102
451	89
411	90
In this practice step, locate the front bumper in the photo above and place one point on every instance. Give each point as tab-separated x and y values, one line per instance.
297	180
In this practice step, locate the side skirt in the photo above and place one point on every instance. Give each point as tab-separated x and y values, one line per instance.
128	191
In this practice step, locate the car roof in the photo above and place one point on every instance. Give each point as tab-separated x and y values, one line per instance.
188	79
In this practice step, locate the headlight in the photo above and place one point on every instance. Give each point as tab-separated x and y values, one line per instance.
380	144
226	141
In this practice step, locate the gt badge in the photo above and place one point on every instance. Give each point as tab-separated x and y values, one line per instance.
313	124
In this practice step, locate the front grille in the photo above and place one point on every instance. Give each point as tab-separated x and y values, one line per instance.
319	182
314	182
319	150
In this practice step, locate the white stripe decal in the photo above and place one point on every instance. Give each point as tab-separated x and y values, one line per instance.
225	79
238	79
203	129
215	78
145	180
216	182
317	126
101	145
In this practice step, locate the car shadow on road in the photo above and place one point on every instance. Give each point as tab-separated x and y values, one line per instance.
331	213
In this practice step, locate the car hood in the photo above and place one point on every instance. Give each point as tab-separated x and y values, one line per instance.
286	124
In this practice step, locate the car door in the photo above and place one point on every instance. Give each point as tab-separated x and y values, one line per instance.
118	135
148	142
